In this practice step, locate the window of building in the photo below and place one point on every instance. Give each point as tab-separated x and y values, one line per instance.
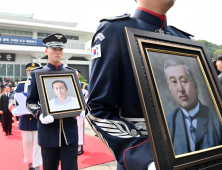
13	71
23	71
12	32
67	45
2	70
23	33
75	46
43	34
9	70
72	37
82	46
15	32
6	31
16	71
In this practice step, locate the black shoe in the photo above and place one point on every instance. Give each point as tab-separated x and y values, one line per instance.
6	134
10	133
81	151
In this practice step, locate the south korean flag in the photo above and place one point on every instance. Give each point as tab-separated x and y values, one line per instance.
96	51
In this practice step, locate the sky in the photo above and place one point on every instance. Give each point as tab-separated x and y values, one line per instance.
200	18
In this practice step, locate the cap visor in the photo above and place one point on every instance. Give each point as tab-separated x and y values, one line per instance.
56	46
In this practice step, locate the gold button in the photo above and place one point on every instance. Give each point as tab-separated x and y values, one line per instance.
30	118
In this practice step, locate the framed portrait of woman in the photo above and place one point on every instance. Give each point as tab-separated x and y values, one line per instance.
60	93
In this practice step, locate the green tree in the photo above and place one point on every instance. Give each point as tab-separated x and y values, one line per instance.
211	48
217	51
82	79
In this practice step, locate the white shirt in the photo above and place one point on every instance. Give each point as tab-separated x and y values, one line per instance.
70	103
194	122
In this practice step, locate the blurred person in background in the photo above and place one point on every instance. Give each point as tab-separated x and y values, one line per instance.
218	59
7	115
3	81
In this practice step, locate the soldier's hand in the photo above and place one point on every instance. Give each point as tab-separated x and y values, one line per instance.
46	120
1	112
15	112
151	166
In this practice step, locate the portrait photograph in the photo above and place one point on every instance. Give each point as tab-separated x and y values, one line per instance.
180	97
61	94
190	112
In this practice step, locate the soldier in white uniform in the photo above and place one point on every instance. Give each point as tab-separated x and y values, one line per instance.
27	123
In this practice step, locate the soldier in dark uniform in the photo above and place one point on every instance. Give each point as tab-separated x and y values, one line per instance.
27	124
58	138
114	107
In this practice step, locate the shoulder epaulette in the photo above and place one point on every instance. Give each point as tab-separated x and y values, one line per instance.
70	68
21	82
36	68
115	18
185	33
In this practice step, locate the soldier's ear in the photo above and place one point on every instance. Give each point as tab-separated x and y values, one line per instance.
46	51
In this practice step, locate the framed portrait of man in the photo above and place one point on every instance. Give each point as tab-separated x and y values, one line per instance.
60	93
180	97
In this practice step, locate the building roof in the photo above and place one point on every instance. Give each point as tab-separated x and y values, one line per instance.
29	18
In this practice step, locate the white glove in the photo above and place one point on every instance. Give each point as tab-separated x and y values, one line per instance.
151	166
15	112
46	120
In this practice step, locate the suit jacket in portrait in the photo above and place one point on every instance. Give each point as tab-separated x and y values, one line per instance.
208	130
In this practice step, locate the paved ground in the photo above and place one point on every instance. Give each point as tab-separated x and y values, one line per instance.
107	166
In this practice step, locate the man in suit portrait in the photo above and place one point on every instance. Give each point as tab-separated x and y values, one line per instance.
192	126
7	115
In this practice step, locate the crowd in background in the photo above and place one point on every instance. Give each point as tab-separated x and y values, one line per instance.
12	84
9	82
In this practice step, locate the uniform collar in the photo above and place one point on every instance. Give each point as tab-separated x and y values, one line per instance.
151	17
54	67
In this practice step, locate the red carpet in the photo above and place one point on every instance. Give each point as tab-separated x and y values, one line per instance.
11	157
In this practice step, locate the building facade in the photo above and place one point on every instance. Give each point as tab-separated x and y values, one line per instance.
21	43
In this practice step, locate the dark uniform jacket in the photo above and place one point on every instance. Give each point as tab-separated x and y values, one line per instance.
26	122
50	135
114	105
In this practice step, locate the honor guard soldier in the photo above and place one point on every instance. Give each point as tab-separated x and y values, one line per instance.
58	138
27	123
115	112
